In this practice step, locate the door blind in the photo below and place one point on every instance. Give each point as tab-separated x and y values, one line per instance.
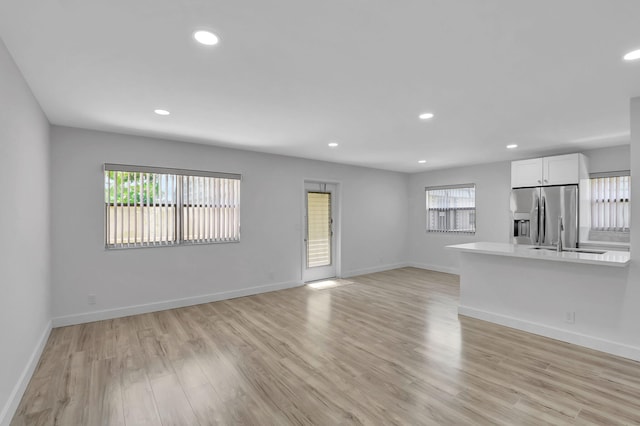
318	229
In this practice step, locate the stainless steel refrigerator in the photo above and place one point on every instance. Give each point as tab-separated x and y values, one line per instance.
535	213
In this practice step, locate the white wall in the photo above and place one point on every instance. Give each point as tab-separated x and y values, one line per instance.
493	186
373	222
609	159
24	246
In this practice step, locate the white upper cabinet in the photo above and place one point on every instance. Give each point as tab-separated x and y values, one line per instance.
526	173
556	170
561	169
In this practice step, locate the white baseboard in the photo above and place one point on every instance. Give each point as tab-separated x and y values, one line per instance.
591	342
9	409
374	269
167	304
437	268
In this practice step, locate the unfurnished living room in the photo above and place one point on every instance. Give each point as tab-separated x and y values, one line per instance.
321	213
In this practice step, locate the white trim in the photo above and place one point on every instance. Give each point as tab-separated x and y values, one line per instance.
374	269
9	409
592	342
168	304
437	268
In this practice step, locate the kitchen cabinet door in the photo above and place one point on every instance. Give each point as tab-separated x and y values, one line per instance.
526	173
561	169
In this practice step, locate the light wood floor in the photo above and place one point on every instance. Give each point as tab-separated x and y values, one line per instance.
387	349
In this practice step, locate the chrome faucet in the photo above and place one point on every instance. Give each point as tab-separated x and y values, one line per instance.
560	229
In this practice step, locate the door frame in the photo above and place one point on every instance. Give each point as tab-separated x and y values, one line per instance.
336	208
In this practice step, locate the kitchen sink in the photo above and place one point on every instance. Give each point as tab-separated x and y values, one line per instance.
577	250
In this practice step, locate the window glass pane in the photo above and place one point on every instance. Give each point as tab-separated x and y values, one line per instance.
451	209
140	209
211	209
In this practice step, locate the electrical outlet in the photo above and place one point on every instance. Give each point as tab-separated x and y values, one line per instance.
91	299
570	317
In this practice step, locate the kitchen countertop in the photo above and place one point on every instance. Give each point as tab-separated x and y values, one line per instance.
609	258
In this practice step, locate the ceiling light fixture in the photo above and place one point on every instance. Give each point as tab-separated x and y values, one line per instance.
206	37
425	116
632	56
161	111
333	144
422	161
512	146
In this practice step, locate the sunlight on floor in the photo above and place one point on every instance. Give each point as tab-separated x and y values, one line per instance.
324	284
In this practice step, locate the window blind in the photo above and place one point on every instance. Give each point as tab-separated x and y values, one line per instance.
210	209
610	203
451	208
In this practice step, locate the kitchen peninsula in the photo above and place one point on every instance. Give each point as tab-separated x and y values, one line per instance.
576	297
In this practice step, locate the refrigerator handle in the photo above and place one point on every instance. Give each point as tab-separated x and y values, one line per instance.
535	222
543	222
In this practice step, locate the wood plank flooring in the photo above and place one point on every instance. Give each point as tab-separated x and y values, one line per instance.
387	349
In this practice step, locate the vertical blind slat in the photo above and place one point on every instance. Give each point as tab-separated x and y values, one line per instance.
202	208
108	208
156	184
121	233
211	210
147	221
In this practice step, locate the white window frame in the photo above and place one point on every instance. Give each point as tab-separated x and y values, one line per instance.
207	214
448	210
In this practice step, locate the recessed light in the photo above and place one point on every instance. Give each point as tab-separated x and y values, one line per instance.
161	111
422	161
206	37
426	116
512	146
632	56
333	144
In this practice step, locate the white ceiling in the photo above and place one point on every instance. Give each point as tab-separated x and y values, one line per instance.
289	76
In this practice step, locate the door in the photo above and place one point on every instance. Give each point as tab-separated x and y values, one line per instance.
524	215
559	201
319	236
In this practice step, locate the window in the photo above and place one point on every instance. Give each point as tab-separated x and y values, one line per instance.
610	204
451	208
153	206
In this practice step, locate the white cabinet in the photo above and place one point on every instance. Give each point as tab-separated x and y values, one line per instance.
556	170
561	169
526	173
